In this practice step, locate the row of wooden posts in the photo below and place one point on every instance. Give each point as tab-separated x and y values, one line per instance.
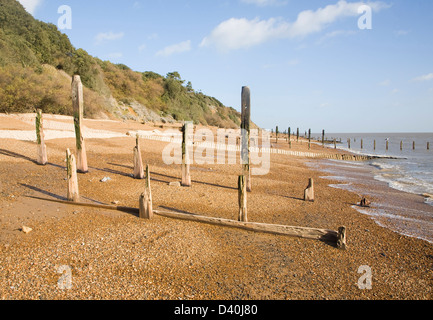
308	136
386	144
79	165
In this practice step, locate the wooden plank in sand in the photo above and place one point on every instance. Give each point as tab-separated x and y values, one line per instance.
330	236
78	109
40	136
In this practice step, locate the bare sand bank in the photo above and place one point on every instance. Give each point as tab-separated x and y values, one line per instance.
114	255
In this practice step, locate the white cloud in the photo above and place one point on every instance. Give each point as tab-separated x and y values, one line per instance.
175	48
426	77
237	33
142	47
30	5
108	36
264	3
385	83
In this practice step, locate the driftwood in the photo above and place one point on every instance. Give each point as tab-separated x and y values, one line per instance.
71	168
40	136
78	109
336	237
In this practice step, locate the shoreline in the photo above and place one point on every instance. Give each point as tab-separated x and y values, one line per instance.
115	255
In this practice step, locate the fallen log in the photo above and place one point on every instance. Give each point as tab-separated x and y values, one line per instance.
335	237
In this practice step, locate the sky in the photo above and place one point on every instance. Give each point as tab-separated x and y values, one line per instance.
338	65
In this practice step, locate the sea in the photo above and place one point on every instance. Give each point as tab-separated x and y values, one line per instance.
398	181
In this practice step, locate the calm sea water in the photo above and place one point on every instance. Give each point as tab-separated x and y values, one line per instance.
409	175
411	172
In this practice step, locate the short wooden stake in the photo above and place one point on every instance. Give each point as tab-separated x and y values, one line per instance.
341	238
138	162
374	145
40	135
297	135
335	144
413	145
348	142
146	206
309	192
186	174
309	138
78	109
290	136
387	145
71	167
242	192
362	144
428	145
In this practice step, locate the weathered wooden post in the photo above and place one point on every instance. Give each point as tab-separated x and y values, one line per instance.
341	238
413	145
374	145
309	192
78	109
348	143
276	133
335	143
146	210
186	175
362	144
245	128
290	135
309	138
297	135
40	137
138	162
387	145
323	138
242	196
401	145
71	169
428	145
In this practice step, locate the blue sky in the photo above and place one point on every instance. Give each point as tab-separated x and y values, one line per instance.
307	63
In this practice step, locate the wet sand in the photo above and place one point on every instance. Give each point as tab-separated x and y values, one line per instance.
114	255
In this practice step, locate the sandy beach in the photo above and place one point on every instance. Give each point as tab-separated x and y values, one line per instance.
117	256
